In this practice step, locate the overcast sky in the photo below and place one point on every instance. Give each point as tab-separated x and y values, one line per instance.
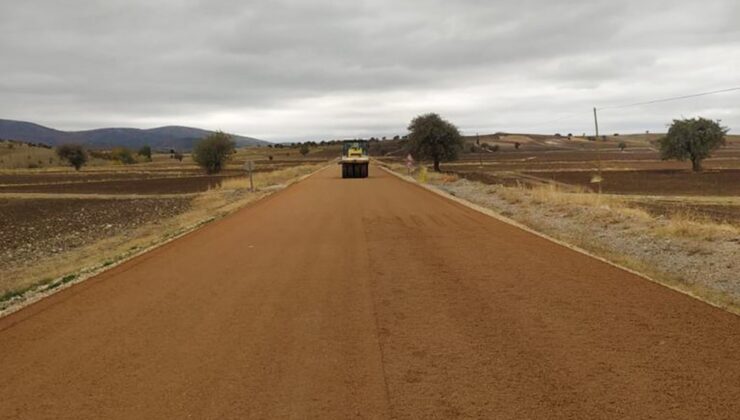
292	70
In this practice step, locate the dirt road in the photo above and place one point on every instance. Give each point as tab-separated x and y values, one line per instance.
367	298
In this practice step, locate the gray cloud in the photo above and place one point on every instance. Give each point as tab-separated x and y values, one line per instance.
294	69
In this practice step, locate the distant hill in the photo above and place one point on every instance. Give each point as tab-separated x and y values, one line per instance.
170	137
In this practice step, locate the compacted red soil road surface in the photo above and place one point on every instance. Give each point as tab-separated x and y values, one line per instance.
373	298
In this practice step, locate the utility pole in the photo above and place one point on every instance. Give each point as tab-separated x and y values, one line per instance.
598	149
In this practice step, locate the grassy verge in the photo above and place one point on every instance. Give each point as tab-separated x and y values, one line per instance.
29	283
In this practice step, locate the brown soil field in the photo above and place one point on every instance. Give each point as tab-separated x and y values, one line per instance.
140	180
48	177
368	298
34	228
140	172
533	165
649	183
655	182
145	185
614	156
502	178
729	214
562	155
543	153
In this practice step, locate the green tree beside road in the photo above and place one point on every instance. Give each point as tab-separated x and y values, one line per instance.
434	138
693	139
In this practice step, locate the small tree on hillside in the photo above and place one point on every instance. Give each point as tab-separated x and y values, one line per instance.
212	152
431	137
123	155
74	154
145	152
622	145
304	149
693	139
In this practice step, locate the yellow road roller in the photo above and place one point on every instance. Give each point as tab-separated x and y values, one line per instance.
355	159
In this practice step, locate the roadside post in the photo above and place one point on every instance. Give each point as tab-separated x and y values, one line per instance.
599	177
480	153
409	163
423	174
249	167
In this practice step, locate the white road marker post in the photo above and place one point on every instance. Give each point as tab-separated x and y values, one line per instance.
249	167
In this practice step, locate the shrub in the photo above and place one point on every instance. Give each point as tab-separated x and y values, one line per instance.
622	145
123	155
304	149
74	154
212	152
146	152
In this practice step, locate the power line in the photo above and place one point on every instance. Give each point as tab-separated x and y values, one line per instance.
675	98
654	101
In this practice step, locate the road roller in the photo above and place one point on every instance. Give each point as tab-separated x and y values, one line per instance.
355	159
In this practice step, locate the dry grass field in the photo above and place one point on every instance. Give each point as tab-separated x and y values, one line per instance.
20	155
55	221
636	174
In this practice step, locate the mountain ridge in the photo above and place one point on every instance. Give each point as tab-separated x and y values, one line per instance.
166	137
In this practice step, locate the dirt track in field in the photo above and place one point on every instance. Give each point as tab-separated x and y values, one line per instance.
367	298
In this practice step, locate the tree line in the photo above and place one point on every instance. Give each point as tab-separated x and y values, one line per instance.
693	139
430	138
